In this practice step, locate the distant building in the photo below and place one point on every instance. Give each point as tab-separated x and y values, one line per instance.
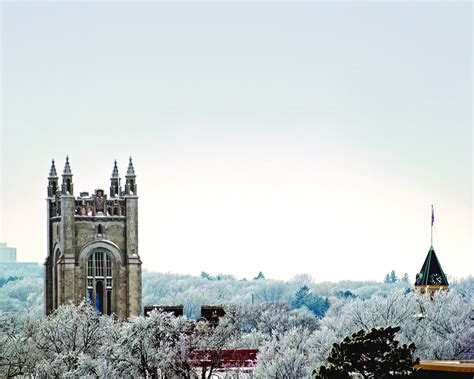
212	313
7	254
93	245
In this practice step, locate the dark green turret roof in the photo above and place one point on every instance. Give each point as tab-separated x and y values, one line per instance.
431	273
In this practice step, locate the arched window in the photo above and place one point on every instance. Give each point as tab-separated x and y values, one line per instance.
99	281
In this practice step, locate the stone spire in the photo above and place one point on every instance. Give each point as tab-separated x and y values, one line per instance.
115	189
67	186
52	171
115	173
52	180
130	184
67	168
130	170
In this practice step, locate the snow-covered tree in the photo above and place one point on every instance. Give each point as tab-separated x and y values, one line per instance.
211	340
155	346
17	351
288	356
444	329
275	319
405	278
438	325
69	335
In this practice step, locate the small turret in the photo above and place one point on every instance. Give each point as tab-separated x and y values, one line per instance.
130	183
67	186
431	277
52	180
115	189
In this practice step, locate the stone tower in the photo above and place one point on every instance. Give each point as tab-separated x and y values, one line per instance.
93	245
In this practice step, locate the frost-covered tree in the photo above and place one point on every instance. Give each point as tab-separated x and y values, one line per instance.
444	329
438	325
155	346
211	340
274	319
17	351
286	357
69	335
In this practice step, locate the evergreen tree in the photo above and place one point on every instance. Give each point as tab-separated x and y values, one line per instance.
259	276
405	278
372	354
316	304
300	297
393	277
387	279
345	295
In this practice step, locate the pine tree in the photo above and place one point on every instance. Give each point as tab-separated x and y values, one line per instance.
300	297
372	354
259	276
405	278
316	304
393	277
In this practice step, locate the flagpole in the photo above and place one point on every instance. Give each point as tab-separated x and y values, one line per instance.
432	219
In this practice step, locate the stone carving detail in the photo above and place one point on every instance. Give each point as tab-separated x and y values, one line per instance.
98	203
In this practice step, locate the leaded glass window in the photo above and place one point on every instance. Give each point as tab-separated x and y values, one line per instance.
100	281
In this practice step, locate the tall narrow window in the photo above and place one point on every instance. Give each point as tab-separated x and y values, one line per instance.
100	281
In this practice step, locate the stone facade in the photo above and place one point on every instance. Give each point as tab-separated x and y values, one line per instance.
93	246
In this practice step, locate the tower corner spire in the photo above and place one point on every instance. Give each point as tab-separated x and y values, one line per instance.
52	171
52	180
115	173
67	186
115	189
130	169
130	182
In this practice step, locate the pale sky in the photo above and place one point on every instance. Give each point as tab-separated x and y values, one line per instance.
278	137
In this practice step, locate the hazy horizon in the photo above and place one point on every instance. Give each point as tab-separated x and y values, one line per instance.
278	137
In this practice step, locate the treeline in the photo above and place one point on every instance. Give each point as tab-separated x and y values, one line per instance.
302	290
22	291
75	341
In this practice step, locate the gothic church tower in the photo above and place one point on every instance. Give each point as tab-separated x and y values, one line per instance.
93	245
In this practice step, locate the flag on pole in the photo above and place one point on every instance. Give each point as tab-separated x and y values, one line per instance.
432	215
